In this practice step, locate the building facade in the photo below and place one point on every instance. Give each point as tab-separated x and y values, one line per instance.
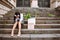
6	5
38	3
33	3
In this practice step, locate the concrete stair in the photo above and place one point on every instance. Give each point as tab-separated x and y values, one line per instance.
47	21
40	28
46	28
34	31
31	37
37	26
48	18
24	26
8	21
37	21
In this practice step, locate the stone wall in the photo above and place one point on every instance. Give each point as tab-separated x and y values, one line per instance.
6	5
3	10
35	12
13	2
55	3
39	11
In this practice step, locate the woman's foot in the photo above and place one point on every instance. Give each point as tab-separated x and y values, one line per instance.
12	35
19	35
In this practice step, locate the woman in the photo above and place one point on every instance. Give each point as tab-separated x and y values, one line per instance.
16	21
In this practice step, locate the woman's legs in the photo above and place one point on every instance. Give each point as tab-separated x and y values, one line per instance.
14	26
19	31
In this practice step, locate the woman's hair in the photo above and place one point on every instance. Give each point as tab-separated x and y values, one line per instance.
17	13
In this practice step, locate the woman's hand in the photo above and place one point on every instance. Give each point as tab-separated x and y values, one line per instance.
17	16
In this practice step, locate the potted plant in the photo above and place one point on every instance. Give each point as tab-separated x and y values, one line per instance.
27	16
31	20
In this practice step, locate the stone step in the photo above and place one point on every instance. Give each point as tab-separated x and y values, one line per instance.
47	21
7	18
10	21
6	21
31	37
29	31
37	21
47	18
38	18
24	26
37	26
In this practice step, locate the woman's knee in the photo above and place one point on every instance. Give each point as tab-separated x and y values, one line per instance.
19	22
13	29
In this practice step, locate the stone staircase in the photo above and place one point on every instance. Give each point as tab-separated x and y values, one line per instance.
46	28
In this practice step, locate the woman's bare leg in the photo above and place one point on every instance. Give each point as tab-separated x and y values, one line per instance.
14	26
19	31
